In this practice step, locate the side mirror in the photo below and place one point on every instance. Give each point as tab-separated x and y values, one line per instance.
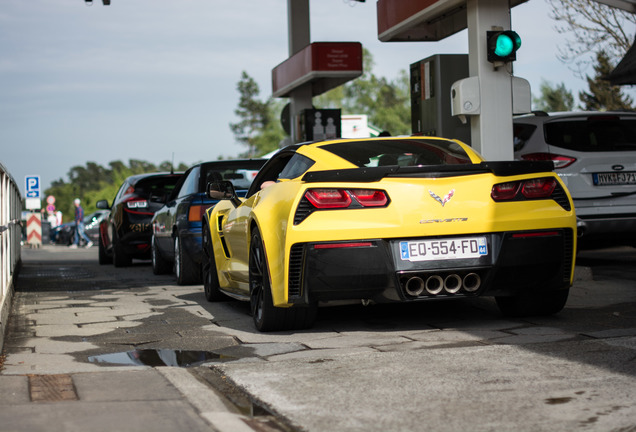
102	204
223	190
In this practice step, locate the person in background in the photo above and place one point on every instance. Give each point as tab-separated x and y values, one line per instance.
79	226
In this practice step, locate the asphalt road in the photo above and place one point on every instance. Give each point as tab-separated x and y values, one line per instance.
439	366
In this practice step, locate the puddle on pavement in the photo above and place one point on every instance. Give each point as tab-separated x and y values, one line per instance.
160	357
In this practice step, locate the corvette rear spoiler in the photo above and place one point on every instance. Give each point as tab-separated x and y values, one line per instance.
373	174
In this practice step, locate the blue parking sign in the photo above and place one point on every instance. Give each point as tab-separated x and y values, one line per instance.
32	186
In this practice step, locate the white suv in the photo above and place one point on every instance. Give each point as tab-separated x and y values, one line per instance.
594	153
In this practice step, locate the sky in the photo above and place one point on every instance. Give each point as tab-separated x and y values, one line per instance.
157	79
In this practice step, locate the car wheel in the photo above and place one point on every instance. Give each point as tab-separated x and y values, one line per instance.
211	285
528	304
104	258
120	257
266	316
185	269
159	264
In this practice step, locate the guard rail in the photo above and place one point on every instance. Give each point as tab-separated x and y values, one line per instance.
10	243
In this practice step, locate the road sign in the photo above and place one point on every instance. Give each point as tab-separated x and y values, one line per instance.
34	230
32	186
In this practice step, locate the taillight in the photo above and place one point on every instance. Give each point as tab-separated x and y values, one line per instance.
344	198
537	188
328	198
369	197
338	198
137	204
196	212
558	160
505	191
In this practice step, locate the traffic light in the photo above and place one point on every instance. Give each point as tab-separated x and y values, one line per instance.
502	45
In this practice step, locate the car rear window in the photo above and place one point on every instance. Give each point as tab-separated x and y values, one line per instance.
593	134
402	152
157	187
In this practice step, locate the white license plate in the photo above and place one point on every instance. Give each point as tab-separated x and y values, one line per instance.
614	178
457	248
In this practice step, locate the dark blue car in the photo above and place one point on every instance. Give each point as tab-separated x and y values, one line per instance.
176	227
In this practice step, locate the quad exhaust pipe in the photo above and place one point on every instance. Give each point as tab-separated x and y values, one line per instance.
434	284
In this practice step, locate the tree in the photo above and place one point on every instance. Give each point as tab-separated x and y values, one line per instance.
386	102
95	182
594	27
258	128
554	99
602	95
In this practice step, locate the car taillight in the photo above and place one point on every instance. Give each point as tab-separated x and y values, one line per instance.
137	204
369	197
558	160
196	212
344	198
338	198
505	191
328	198
537	188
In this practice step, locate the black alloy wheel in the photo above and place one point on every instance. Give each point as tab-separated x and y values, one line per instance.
211	286
266	316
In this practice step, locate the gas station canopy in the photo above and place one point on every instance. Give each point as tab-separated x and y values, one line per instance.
422	20
323	65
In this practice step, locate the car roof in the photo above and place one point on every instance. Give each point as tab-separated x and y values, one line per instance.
133	179
541	116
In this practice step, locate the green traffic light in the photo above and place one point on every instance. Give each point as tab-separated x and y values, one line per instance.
504	45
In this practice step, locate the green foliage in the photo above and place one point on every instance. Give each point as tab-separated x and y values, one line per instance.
94	182
258	128
554	99
387	103
602	95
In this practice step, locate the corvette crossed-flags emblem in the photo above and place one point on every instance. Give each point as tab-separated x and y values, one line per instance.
446	199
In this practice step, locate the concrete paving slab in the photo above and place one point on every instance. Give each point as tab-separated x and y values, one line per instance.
156	416
15	390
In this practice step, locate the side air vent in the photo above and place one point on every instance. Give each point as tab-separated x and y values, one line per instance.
296	270
561	197
304	209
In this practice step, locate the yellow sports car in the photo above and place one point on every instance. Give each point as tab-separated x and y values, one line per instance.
392	219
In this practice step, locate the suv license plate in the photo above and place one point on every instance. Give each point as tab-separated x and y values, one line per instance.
457	248
614	178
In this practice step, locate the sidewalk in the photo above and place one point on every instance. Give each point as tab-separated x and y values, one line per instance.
46	388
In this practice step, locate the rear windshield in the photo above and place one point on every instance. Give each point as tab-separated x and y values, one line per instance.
157	187
239	173
592	134
402	152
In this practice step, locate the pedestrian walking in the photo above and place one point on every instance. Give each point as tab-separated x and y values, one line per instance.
79	226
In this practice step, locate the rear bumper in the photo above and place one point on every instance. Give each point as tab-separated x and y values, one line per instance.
614	229
373	269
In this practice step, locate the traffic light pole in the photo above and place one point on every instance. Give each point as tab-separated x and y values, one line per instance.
491	130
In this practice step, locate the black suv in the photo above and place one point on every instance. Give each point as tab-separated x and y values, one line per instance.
126	233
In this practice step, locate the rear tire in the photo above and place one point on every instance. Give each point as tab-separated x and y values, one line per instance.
266	316
211	286
536	303
120	257
159	264
104	258
185	269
